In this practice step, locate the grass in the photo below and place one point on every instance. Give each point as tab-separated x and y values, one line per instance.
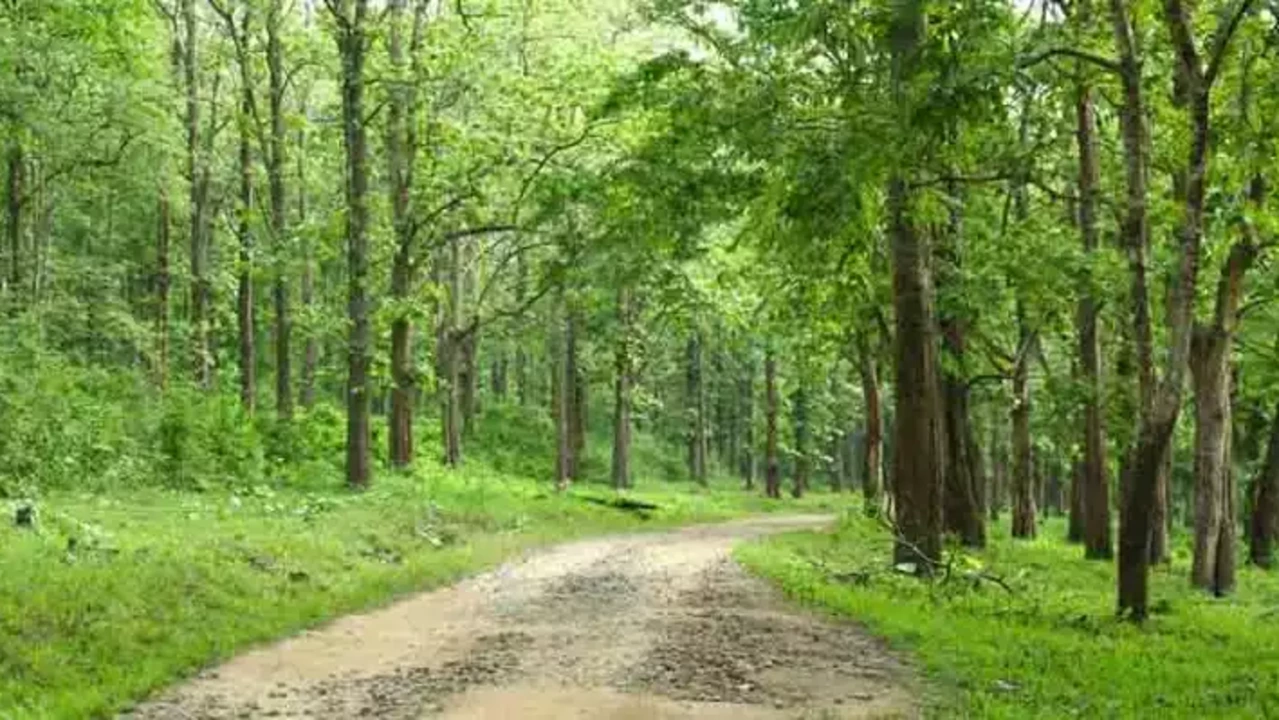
1049	646
112	596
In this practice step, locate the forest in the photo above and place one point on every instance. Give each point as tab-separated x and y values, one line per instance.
309	305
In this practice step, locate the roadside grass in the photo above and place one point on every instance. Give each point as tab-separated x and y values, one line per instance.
1049	646
112	596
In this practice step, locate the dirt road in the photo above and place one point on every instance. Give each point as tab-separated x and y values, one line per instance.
642	627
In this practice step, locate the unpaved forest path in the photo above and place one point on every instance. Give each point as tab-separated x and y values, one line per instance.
636	627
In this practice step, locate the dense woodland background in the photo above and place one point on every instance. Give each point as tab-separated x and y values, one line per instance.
977	258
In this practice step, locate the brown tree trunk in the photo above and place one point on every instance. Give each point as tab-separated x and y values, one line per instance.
449	375
561	389
576	396
311	348
198	172
696	402
873	443
1264	523
350	17
621	470
275	161
1093	486
1075	524
1023	485
1214	525
917	441
401	151
746	392
163	281
244	295
13	218
961	509
772	467
802	461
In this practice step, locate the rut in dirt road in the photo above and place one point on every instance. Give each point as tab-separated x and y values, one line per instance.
629	628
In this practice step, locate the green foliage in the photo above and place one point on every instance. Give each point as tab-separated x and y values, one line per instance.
1048	644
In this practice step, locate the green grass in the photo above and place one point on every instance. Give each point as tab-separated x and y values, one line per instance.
115	595
1052	647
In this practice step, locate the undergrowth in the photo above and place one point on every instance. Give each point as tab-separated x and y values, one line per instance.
1048	645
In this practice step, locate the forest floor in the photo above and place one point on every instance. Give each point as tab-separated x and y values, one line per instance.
632	627
1027	629
106	598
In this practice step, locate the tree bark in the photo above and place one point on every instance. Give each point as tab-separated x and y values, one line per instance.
350	17
1214	519
621	470
198	173
695	400
873	442
449	377
401	152
275	162
1093	485
1264	523
961	509
561	389
746	391
244	296
772	467
1023	486
802	461
311	348
163	281
576	396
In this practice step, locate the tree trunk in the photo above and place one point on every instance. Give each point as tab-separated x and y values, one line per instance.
561	389
275	161
772	467
198	173
1092	485
352	44
163	280
13	219
401	150
1214	524
622	394
449	376
873	441
311	349
960	507
1075	524
917	440
1023	490
244	294
746	460
802	462
576	396
696	403
1264	524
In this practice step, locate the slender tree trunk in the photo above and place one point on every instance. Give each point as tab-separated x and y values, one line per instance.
696	403
1264	523
873	443
622	394
14	189
1023	489
1092	485
401	150
275	159
576	396
352	46
449	373
244	295
746	459
961	508
311	348
1075	526
163	281
198	172
561	390
802	461
772	467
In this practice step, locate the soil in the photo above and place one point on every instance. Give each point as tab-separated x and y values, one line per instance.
642	627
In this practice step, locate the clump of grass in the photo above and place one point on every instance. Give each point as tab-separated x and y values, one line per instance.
1048	645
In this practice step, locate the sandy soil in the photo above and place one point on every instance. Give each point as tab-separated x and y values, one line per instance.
641	627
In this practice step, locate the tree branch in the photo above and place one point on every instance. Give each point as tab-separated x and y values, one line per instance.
1222	41
1104	63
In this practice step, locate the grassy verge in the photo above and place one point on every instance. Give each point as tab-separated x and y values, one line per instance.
111	597
1049	645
